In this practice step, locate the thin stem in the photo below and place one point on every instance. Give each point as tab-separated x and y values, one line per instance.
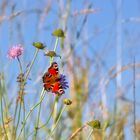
18	118
134	97
20	65
49	116
31	65
56	43
55	112
3	120
39	111
90	133
28	72
24	117
44	125
13	131
55	46
56	124
29	113
76	132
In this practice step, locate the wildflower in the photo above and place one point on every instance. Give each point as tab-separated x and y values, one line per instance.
15	51
58	33
53	81
67	101
63	81
38	45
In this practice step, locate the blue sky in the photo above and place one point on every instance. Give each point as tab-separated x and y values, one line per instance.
100	29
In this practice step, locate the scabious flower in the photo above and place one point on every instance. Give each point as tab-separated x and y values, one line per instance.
53	81
15	51
63	81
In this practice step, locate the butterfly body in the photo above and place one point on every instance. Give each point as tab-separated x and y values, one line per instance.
52	81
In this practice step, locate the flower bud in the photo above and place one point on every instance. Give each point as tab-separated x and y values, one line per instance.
58	33
95	124
67	101
52	54
38	45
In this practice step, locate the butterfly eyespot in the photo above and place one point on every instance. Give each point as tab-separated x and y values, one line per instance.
49	89
61	91
55	66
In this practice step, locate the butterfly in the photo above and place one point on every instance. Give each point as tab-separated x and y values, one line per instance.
53	81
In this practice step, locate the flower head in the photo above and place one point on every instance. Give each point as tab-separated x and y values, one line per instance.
38	45
67	101
63	81
15	51
58	33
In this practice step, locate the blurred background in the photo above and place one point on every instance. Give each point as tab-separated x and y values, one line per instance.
100	57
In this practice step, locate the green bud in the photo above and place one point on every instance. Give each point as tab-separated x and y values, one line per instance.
52	54
38	45
67	101
58	33
95	124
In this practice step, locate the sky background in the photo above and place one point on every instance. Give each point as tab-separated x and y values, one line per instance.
98	37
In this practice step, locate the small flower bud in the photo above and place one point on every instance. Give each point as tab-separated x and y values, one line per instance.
95	124
52	54
58	33
67	101
38	45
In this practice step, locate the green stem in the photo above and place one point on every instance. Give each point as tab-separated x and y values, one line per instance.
28	72
36	128
3	120
29	113
18	118
90	133
49	116
56	43
13	131
34	58
44	125
55	109
56	124
20	65
24	117
55	46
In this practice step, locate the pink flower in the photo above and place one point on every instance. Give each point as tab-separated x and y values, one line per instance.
15	51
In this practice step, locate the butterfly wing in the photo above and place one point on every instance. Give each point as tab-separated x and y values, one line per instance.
50	78
53	70
57	88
